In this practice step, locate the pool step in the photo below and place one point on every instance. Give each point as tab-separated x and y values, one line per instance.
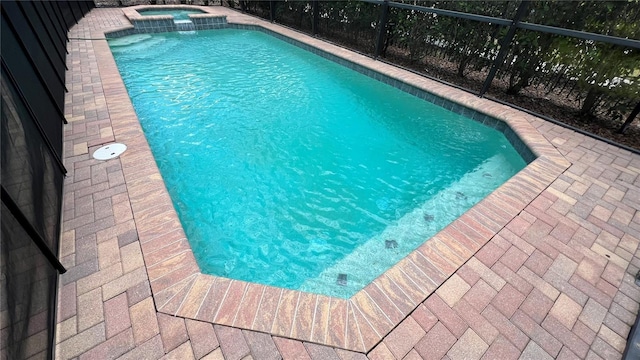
402	236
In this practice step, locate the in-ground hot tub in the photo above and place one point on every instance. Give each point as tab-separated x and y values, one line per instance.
168	18
176	13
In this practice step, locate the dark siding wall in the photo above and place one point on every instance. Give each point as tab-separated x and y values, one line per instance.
33	39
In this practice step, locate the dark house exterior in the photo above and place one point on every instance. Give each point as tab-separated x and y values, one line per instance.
34	41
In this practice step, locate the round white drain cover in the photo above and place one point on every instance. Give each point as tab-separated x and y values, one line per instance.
110	151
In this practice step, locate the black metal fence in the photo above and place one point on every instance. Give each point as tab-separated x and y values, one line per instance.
576	59
33	40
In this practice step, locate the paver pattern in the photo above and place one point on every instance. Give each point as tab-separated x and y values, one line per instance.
556	282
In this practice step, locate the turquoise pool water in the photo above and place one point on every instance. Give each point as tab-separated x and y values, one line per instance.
178	14
289	170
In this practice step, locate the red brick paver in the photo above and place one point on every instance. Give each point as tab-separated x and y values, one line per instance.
543	268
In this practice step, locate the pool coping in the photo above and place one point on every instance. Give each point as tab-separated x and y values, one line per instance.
359	323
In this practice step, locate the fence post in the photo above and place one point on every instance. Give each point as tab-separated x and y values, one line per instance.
272	11
382	27
243	6
629	120
504	46
316	15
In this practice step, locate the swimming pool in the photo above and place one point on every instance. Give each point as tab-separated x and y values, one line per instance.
349	157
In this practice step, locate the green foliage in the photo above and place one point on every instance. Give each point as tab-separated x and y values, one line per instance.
352	22
294	13
464	42
604	78
413	32
260	8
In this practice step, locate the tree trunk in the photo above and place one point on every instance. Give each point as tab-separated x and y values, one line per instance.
522	83
462	66
590	101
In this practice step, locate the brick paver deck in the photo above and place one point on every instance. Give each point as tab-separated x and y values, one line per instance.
552	277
